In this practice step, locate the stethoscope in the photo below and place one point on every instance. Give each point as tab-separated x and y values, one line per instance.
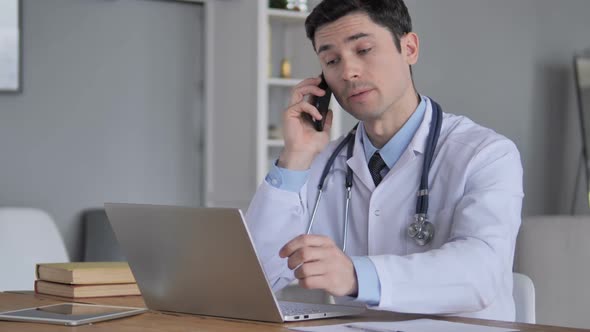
421	230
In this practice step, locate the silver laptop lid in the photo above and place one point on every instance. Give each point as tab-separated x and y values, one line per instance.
194	260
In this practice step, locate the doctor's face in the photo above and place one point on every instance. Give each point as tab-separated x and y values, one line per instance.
363	67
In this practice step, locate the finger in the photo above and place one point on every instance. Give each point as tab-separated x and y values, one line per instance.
306	255
305	240
301	241
310	269
298	93
314	282
328	123
308	81
303	107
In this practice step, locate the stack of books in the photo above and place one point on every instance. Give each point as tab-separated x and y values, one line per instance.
85	279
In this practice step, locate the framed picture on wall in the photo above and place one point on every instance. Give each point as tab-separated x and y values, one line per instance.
10	46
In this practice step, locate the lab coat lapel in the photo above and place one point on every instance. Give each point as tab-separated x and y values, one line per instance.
418	142
358	163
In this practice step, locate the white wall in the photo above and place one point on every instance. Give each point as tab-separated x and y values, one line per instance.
231	121
110	108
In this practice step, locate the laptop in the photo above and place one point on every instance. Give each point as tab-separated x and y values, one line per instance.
203	261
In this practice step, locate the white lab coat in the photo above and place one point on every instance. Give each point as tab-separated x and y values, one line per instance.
475	204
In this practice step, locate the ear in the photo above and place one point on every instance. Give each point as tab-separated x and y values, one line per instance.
410	45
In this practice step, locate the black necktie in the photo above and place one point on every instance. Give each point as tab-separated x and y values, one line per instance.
376	164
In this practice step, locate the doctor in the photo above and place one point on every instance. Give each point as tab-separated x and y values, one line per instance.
463	263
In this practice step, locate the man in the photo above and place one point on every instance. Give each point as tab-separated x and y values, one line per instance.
366	49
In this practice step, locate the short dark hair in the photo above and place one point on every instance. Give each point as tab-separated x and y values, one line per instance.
391	14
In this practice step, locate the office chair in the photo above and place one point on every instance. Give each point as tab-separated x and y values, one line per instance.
555	252
27	237
524	298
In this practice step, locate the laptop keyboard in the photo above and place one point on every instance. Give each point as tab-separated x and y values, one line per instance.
298	308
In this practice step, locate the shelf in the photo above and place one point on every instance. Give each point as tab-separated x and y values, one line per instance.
278	143
276	81
287	16
280	35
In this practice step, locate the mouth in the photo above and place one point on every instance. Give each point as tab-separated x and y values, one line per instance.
359	94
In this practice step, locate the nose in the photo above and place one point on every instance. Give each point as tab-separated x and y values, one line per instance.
350	70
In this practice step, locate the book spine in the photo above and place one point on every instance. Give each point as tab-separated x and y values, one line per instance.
84	291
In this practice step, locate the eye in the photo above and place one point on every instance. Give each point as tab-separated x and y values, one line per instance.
331	62
364	50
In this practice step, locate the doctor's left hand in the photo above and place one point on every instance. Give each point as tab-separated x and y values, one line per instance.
320	264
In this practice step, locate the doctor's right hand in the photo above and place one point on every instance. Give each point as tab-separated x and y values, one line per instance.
302	141
319	264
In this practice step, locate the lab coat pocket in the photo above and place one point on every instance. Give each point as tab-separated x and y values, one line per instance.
441	220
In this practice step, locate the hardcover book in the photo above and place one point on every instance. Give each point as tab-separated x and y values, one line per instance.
86	273
81	291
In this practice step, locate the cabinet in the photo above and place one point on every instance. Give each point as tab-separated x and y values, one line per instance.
281	35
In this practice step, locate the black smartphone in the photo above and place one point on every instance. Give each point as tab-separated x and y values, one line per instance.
321	103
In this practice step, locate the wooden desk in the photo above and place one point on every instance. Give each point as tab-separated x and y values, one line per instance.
161	321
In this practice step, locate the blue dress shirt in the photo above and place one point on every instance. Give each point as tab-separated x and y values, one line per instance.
369	288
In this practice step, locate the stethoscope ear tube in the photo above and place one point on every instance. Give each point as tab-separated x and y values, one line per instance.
330	161
326	170
432	140
421	229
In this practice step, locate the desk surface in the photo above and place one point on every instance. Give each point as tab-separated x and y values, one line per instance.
163	321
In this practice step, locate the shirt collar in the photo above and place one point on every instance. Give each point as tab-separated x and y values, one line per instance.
394	148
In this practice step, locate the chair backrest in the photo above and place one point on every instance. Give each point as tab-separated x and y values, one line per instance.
100	243
524	298
555	252
27	237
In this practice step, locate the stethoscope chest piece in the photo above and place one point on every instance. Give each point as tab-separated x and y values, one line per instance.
421	230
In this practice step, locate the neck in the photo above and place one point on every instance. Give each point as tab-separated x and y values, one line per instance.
382	129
